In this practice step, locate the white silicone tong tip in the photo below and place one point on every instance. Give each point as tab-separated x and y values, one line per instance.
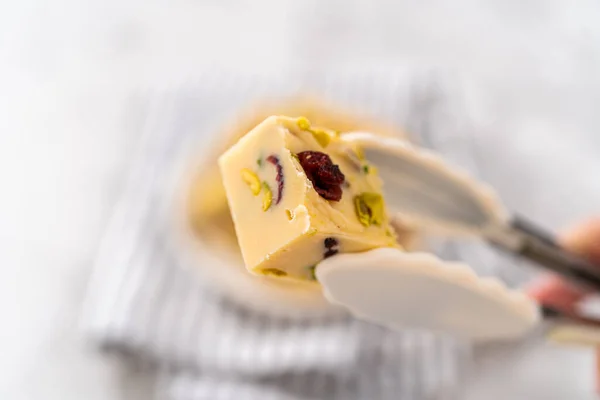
426	190
417	290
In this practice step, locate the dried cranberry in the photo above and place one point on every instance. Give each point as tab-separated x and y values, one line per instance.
273	159
330	252
325	176
330	244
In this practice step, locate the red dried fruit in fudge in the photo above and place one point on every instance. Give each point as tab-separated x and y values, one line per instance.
273	159
330	242
330	247
325	176
330	253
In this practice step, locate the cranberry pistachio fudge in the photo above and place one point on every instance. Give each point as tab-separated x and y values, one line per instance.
206	203
298	195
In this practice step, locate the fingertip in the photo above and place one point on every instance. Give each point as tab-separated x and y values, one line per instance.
554	292
584	239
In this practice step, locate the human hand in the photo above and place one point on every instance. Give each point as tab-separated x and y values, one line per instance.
552	291
584	240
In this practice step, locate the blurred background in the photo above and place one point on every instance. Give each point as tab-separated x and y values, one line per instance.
68	72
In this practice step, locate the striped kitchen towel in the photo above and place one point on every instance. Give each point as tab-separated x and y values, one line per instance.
142	305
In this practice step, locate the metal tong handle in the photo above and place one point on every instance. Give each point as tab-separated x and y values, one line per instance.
535	244
528	240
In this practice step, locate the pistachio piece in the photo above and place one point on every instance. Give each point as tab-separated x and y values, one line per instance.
359	153
303	123
274	272
311	271
322	137
369	208
289	213
251	180
267	196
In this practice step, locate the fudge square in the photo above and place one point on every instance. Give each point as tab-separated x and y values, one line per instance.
298	195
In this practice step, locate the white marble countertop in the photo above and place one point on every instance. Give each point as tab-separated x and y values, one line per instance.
67	68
